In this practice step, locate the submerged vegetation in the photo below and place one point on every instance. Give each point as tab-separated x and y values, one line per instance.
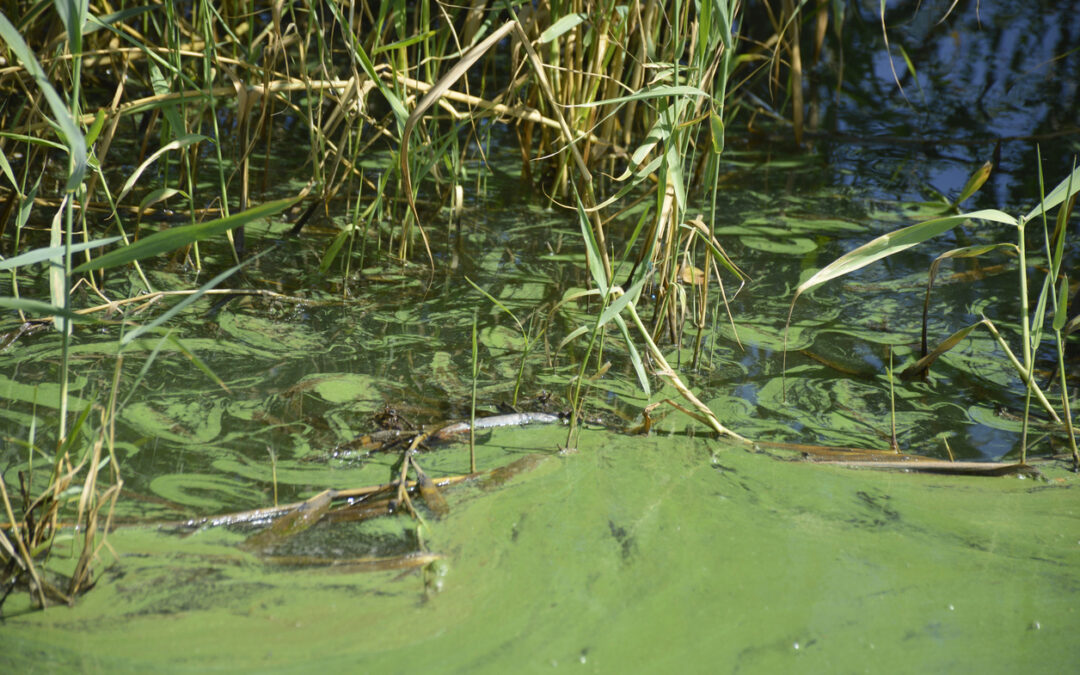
133	133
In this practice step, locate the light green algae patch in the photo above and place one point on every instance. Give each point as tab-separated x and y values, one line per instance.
632	555
43	393
343	388
274	336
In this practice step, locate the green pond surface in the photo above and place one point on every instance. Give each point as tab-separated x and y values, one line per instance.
631	555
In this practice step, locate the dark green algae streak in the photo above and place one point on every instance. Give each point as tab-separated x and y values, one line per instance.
631	555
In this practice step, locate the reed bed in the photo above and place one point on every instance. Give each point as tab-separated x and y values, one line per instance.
606	101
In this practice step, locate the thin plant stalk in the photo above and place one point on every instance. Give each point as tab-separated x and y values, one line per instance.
472	404
892	405
1025	325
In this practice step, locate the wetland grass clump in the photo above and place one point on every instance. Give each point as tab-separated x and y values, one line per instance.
64	499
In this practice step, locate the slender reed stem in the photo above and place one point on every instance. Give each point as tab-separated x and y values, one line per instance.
472	406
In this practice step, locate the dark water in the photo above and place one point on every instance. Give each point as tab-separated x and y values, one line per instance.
990	82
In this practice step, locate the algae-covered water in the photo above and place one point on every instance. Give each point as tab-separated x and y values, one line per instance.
633	554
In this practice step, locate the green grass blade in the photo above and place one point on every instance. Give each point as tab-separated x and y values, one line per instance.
94	23
175	144
620	303
498	304
635	358
975	182
39	308
884	246
561	27
159	195
43	142
1071	327
183	304
194	358
596	267
571	336
923	364
716	125
894	242
73	16
1061	311
401	44
175	237
667	91
163	88
5	167
400	113
1064	190
962	252
95	128
43	254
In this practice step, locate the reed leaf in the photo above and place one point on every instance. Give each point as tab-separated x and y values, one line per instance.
39	308
635	357
619	304
176	237
159	195
1061	312
1064	190
571	336
5	167
884	246
592	252
175	144
963	252
974	182
34	140
48	253
73	15
661	92
921	366
895	242
183	304
561	27
96	23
